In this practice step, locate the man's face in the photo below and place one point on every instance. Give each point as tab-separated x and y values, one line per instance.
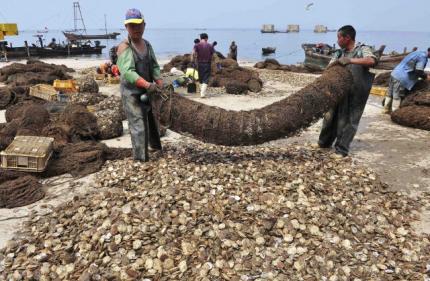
135	31
428	54
343	41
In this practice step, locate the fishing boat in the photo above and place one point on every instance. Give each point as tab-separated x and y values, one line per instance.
42	51
318	56
76	37
268	50
61	51
81	34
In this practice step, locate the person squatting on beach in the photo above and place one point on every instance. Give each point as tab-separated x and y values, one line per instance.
340	124
140	75
404	77
202	53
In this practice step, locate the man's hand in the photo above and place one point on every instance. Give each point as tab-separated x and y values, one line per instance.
344	61
153	89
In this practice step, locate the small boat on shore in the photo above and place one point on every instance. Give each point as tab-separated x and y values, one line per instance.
58	51
318	56
71	36
81	34
268	50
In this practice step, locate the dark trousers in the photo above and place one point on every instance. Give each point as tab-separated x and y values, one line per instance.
341	123
142	124
204	72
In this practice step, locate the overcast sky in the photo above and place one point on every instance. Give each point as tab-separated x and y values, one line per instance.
378	15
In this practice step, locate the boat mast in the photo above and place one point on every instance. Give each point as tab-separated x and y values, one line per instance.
105	25
77	16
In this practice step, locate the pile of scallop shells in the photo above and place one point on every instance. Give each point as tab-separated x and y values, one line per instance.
204	212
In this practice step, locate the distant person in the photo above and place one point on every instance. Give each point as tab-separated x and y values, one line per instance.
53	44
404	77
140	78
340	124
203	52
233	51
196	41
113	54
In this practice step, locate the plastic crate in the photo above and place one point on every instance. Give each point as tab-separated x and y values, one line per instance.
9	28
379	91
65	86
45	92
27	153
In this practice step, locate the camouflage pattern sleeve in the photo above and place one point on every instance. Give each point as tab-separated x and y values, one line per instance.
367	51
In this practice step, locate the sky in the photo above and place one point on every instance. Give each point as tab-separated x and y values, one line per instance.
366	15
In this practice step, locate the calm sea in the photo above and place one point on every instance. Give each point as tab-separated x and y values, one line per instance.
170	42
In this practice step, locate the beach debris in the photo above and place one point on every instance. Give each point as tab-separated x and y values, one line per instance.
204	212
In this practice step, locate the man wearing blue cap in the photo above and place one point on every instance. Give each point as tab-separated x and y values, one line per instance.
140	78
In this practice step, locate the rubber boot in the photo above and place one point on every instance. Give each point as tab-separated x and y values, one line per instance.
396	104
203	90
388	105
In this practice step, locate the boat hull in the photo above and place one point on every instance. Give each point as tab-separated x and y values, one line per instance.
319	62
21	52
77	37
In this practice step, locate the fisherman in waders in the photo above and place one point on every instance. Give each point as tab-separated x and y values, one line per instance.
140	78
340	124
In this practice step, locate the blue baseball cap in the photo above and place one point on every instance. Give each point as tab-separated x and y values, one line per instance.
133	16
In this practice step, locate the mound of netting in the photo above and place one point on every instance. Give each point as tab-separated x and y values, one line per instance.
272	64
20	191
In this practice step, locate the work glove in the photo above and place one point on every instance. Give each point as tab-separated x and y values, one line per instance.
344	61
153	89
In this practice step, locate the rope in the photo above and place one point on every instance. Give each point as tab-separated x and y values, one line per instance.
289	54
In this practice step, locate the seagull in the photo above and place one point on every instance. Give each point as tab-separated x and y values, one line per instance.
308	6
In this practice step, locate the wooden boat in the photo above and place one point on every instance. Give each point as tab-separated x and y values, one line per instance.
77	37
81	34
268	50
318	58
60	51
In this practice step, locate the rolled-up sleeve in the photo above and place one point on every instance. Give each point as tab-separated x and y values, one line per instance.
421	62
127	66
367	52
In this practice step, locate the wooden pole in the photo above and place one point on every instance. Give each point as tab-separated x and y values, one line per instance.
27	48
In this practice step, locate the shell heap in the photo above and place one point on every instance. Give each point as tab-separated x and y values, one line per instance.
203	212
